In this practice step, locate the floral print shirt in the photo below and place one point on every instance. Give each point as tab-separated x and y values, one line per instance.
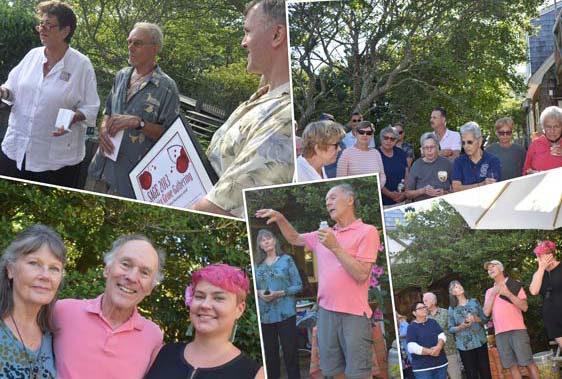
253	148
469	338
281	275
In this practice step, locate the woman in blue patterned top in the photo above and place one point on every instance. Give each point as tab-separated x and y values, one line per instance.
466	322
30	274
277	281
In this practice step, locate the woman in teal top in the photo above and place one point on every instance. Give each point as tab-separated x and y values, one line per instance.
277	281
30	274
466	323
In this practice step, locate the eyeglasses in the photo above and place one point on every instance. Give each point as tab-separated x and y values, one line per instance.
469	142
138	43
422	307
504	132
429	147
552	127
365	132
335	145
389	138
45	25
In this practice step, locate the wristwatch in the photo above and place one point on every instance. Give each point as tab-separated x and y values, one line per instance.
141	125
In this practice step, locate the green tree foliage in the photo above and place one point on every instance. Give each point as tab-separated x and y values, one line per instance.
443	248
18	36
401	58
89	224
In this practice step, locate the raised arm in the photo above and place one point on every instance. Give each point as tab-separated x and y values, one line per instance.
290	234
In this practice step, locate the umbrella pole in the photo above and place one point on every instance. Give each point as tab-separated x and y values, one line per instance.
491	203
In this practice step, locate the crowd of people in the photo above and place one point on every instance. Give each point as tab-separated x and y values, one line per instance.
436	337
449	161
254	147
106	337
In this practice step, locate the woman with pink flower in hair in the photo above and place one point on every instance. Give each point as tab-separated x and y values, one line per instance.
547	281
216	299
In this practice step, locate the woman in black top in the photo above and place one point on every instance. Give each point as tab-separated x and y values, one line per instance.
216	300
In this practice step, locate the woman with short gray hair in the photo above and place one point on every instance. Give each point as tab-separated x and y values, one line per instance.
395	162
475	167
545	152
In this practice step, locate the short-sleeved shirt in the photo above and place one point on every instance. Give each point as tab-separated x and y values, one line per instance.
71	84
157	101
442	318
338	291
505	315
87	347
451	140
511	159
14	361
253	148
467	172
425	173
281	275
394	170
539	158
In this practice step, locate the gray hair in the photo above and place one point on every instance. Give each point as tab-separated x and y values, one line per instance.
432	296
109	257
267	233
274	9
387	130
427	136
453	301
156	35
553	112
27	242
348	190
471	127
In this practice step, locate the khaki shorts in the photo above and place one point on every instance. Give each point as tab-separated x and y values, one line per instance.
345	342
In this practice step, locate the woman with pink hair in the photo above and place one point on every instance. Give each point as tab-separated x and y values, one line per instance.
216	299
547	281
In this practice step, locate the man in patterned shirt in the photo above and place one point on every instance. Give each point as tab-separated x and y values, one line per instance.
143	102
254	147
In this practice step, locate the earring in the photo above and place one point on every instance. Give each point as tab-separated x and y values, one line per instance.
233	335
189	332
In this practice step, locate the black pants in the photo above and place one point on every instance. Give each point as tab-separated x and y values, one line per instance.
476	363
286	332
66	176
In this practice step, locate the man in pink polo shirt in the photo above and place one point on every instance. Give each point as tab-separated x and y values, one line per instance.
106	337
345	254
506	301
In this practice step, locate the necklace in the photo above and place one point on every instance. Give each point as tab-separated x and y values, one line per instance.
33	367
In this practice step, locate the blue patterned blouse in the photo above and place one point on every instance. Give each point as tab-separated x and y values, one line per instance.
469	338
281	275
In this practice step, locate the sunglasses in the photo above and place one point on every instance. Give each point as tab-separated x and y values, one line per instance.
504	132
45	25
365	132
468	142
335	145
356	120
389	138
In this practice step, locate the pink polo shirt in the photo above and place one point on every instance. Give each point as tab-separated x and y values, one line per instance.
337	290
506	316
86	346
539	158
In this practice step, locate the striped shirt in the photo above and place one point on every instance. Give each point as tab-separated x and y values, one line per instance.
356	162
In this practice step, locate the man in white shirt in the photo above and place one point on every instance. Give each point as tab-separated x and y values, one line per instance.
449	141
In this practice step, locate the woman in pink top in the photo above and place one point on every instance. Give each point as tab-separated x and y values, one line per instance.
359	159
545	152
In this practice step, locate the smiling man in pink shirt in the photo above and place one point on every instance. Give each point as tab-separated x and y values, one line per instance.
346	254
106	337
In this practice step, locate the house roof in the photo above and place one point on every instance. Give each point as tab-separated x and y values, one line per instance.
541	45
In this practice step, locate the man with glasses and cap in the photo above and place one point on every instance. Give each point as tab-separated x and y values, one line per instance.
511	155
505	302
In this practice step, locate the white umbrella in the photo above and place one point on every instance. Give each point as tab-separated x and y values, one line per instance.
529	202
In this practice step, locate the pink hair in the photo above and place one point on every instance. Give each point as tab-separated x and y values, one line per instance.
544	247
230	278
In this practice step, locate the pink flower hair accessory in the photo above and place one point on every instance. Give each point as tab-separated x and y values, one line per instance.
544	247
188	295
